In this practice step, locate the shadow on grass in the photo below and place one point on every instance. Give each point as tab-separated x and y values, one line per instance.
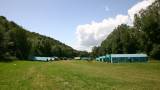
154	61
7	61
11	60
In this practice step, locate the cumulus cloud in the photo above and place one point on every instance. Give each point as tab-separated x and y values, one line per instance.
136	8
93	34
89	35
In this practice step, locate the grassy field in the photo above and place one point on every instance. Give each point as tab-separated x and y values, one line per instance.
78	75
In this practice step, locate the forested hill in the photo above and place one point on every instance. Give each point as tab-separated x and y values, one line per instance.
18	43
143	37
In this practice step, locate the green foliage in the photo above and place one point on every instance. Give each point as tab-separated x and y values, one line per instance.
121	40
143	37
83	54
2	46
45	46
18	43
98	51
148	22
155	52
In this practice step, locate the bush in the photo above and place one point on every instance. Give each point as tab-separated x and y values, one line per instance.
155	53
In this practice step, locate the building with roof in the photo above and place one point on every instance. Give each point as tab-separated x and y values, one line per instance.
120	58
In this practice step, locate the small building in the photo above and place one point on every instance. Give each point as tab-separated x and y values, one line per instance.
44	58
82	58
105	58
121	58
77	58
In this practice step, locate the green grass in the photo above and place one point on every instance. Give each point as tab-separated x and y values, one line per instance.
79	75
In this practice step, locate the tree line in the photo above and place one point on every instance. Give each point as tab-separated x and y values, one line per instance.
18	43
142	37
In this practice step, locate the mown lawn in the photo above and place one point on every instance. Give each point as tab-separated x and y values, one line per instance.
79	75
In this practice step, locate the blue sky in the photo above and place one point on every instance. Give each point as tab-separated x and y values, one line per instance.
59	18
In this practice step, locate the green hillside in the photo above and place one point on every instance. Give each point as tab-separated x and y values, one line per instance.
18	43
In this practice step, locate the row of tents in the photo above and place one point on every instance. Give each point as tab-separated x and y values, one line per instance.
36	58
109	58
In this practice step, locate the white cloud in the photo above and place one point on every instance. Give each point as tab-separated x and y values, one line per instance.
93	34
136	8
89	35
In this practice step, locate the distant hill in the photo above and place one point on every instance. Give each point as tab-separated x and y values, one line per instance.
19	43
